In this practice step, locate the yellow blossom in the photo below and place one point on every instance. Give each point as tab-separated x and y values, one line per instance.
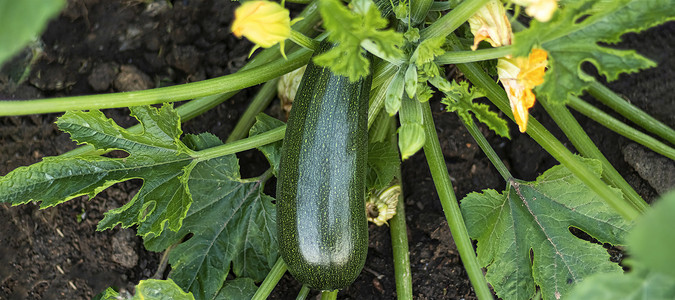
491	24
264	23
541	10
519	76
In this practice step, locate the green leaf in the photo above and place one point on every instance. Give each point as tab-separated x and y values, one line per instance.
524	237
240	288
652	240
108	294
636	285
652	275
427	50
154	289
157	156
271	151
348	29
232	223
459	98
383	164
572	37
23	21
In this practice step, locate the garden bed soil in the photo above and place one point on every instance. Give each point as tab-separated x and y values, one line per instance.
110	46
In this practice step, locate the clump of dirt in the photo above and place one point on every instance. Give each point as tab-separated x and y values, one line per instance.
111	46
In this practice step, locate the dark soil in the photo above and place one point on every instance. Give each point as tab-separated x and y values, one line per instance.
109	46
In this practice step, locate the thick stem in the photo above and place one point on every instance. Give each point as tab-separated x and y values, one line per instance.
487	149
452	20
457	57
329	295
569	125
439	174
271	280
264	138
399	245
259	103
631	112
419	10
228	83
444	5
619	127
303	40
304	291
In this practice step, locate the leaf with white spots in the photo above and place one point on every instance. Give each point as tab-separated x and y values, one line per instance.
524	237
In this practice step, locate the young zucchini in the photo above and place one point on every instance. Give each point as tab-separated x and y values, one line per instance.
321	216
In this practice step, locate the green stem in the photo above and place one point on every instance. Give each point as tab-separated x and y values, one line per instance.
371	47
271	280
419	10
631	112
497	95
582	142
444	5
264	138
303	40
569	125
377	96
259	103
228	83
300	1
439	174
399	245
304	291
452	20
487	149
620	127
457	57
329	295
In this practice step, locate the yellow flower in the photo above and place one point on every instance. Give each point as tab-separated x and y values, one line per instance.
519	76
542	10
264	23
491	24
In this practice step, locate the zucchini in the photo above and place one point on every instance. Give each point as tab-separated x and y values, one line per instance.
321	216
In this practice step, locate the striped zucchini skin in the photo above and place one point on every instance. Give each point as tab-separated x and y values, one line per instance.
321	217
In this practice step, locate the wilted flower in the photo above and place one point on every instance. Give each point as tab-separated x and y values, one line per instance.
541	10
381	205
491	24
264	23
519	76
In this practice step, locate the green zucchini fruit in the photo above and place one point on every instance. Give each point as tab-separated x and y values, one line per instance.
321	216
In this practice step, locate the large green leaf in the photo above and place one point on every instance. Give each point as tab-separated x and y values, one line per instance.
22	21
272	152
231	222
156	155
653	239
149	289
572	37
635	285
524	236
154	289
240	288
652	274
383	164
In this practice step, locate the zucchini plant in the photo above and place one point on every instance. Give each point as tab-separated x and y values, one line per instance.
373	64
